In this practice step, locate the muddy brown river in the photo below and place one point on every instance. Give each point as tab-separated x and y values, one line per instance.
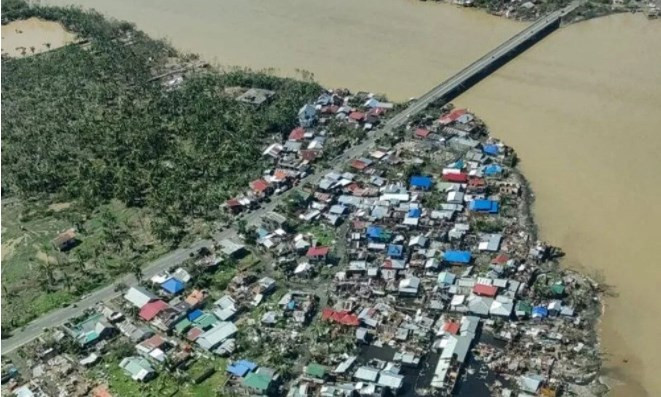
582	108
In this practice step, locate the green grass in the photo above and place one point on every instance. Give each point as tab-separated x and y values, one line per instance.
26	237
165	384
322	233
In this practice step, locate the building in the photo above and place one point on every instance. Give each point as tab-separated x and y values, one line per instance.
139	296
138	368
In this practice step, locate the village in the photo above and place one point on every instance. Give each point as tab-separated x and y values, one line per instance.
413	269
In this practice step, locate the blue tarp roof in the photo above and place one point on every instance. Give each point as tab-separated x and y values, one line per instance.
194	314
173	285
395	250
482	205
374	231
491	150
415	213
291	305
261	232
241	368
457	256
493	169
421	181
540	311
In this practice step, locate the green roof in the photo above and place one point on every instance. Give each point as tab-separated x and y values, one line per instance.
205	321
524	306
558	289
182	326
315	370
257	381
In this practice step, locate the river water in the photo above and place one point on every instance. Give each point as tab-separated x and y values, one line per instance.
582	108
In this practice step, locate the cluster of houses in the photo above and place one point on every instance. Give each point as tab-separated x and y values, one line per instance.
443	254
293	156
436	278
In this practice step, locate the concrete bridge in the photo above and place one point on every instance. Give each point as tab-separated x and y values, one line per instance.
476	71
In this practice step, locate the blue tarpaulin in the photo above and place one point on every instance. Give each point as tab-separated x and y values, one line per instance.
415	213
492	169
491	150
457	256
540	311
482	205
395	251
194	314
241	368
374	232
422	182
173	285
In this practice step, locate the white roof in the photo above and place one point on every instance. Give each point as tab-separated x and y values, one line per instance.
501	306
139	296
216	335
391	380
366	373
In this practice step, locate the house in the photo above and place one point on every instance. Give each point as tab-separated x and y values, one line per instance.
262	381
395	251
149	311
318	253
307	115
260	187
297	134
173	286
460	257
420	182
453	116
139	296
421	133
409	286
485	290
196	298
455	177
502	306
216	335
490	242
231	249
225	308
255	96
357	116
65	240
91	330
484	205
315	370
138	368
445	278
241	368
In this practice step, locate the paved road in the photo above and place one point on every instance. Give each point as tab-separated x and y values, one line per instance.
60	316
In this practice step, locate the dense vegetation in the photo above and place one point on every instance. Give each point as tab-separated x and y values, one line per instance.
88	124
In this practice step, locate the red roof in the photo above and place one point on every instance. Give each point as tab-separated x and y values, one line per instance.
233	203
259	185
151	309
296	134
458	177
341	317
422	132
359	165
309	155
193	334
376	112
477	182
452	116
317	251
357	116
485	290
280	175
500	259
154	342
451	327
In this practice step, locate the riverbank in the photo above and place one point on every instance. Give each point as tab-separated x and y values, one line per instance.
530	11
587	140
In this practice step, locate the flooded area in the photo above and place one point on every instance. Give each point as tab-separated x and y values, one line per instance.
581	108
32	36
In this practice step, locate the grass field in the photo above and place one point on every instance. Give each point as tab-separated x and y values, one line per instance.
29	260
166	384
